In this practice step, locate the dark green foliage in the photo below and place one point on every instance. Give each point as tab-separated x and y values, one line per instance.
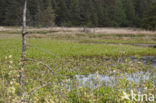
48	16
91	13
10	12
62	13
41	13
149	20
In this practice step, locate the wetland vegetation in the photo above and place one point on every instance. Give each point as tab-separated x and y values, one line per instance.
86	67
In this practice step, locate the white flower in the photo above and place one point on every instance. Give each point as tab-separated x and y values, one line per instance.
97	75
11	82
11	90
10	66
10	56
6	57
11	62
145	88
114	71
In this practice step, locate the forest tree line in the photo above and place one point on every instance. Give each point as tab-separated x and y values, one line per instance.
91	13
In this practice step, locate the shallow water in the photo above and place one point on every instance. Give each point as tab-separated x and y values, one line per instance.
94	80
146	45
134	44
146	60
138	78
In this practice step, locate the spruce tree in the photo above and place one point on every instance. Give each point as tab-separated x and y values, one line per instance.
48	16
130	13
74	13
13	12
149	21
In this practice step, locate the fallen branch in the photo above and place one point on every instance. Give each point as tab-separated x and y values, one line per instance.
41	64
42	86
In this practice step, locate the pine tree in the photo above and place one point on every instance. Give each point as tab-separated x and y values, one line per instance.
149	21
103	13
130	13
74	13
48	16
118	15
62	13
13	12
38	12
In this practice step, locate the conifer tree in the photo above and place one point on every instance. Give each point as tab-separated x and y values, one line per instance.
102	13
149	21
48	16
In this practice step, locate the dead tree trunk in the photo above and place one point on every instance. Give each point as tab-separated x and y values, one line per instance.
23	30
23	58
23	42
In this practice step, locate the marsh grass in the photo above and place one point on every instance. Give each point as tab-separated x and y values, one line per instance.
68	48
36	76
68	58
129	37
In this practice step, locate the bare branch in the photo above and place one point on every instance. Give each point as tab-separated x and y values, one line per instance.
42	86
41	64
